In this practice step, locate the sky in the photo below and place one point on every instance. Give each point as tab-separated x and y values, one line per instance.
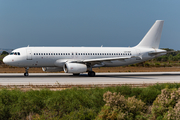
88	23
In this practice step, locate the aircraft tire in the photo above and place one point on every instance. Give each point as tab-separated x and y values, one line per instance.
76	74
91	73
26	74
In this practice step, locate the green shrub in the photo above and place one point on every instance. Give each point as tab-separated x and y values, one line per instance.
146	64
125	103
157	64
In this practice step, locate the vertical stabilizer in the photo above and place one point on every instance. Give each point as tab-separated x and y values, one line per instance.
153	36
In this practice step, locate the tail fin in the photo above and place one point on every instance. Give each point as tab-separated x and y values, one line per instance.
153	36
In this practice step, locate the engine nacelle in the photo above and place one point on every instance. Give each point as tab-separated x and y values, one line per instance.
74	68
52	69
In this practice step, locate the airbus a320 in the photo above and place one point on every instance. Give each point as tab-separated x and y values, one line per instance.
78	60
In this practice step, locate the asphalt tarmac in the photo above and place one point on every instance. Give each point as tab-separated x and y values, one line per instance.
84	79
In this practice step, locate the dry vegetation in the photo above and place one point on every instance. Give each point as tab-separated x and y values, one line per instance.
98	70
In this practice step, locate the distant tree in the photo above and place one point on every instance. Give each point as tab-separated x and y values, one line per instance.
4	53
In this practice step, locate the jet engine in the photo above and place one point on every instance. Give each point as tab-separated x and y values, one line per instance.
74	68
52	69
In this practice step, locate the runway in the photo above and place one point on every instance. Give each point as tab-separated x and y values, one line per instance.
100	78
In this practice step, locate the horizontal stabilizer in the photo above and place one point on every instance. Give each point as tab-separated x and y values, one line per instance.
157	52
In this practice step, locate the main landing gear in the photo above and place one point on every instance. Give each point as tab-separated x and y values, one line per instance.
91	73
26	71
76	74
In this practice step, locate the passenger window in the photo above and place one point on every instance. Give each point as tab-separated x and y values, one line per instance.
18	53
72	53
95	53
46	53
34	54
104	53
39	53
98	53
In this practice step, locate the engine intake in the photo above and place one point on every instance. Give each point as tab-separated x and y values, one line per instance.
74	68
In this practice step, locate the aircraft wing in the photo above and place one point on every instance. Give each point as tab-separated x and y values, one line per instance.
105	59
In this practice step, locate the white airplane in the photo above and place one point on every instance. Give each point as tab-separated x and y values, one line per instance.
77	60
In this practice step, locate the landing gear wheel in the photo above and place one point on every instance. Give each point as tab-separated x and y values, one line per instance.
26	71
76	74
26	74
91	74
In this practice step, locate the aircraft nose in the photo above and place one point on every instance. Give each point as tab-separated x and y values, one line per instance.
6	60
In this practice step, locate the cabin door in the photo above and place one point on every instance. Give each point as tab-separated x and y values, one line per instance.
29	54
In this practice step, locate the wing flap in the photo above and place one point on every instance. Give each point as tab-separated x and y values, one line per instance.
106	59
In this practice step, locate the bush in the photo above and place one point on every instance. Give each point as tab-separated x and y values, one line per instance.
119	103
146	64
166	104
117	107
157	64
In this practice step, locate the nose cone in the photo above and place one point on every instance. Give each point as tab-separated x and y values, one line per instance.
6	60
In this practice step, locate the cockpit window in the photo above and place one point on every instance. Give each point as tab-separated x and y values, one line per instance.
15	53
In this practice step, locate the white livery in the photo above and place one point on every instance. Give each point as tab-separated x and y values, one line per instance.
77	60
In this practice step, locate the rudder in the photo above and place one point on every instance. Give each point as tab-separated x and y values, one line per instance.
153	36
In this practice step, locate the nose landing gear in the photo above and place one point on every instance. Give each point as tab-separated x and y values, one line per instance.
26	71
